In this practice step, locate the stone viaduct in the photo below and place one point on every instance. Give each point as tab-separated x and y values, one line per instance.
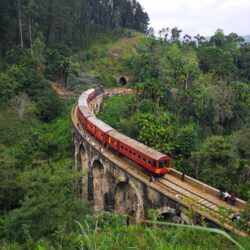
112	185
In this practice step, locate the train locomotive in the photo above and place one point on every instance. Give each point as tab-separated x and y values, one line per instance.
154	161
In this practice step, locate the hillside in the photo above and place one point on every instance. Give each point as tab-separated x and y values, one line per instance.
107	59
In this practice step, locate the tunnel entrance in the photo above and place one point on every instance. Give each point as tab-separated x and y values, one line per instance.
122	81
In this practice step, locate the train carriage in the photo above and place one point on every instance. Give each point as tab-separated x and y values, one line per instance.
83	114
85	97
98	128
145	156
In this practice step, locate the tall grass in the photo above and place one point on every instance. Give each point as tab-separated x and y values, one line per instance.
152	235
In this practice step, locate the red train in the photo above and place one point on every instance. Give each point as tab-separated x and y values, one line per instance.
147	157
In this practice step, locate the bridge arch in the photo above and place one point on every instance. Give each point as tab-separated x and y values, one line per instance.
128	201
75	151
99	184
169	214
82	158
81	166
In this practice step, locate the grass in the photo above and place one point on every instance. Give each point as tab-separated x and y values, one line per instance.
152	235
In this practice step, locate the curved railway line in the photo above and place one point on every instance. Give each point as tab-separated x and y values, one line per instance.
182	192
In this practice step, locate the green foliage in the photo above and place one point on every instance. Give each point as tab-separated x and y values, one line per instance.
11	192
117	111
217	61
241	140
156	132
153	214
48	202
219	153
244	62
58	64
8	88
147	106
186	141
182	64
27	77
36	198
48	104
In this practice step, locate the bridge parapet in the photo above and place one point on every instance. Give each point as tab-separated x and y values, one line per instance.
204	187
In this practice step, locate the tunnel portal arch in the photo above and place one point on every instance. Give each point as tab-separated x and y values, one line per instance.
122	81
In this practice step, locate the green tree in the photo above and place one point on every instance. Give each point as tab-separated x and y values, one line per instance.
244	62
219	163
186	141
8	88
156	132
49	105
49	203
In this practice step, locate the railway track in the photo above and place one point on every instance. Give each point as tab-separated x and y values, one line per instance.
194	200
189	194
176	189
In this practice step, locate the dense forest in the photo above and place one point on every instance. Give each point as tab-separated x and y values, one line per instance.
193	105
72	22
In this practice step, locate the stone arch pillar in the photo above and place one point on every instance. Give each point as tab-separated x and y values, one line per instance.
81	166
128	201
99	185
75	151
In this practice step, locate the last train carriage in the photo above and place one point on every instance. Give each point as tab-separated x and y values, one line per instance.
145	156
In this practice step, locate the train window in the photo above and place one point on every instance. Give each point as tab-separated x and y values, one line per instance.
130	152
126	149
149	162
143	159
122	147
134	154
162	164
139	156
